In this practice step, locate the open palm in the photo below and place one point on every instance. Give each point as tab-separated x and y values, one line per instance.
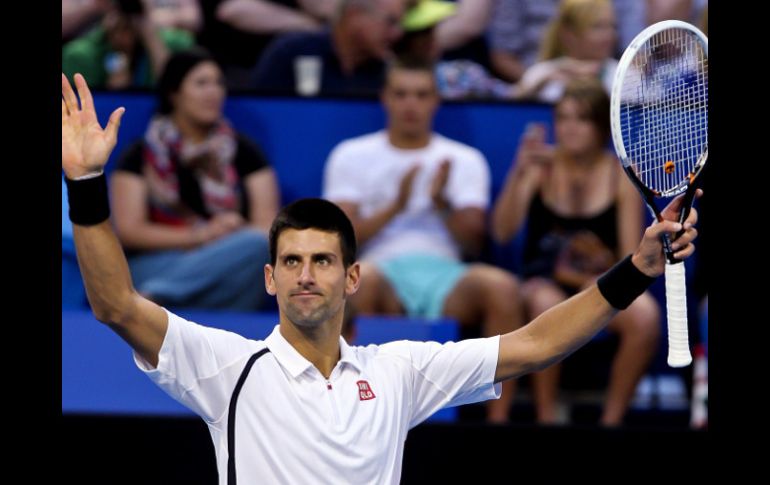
85	146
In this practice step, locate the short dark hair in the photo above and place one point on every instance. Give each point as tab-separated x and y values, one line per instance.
411	63
176	69
317	214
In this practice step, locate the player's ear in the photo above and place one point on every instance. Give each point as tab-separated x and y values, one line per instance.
269	280
352	278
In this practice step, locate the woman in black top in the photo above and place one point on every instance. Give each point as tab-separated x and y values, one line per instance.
582	216
194	199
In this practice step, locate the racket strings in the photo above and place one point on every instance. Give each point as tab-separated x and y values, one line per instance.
664	109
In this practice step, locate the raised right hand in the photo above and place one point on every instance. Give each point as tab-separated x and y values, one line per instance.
649	257
85	147
534	153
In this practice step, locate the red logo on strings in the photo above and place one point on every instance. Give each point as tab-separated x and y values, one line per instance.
364	391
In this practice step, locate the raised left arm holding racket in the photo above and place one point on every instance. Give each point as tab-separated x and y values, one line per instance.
659	119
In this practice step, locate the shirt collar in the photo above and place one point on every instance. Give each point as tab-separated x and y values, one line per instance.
348	356
294	362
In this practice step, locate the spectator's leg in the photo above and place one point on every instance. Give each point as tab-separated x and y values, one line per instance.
638	327
489	296
540	294
242	289
375	296
227	273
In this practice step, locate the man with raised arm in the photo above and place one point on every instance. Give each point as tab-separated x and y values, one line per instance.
302	406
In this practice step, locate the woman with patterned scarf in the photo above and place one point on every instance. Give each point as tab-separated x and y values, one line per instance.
194	199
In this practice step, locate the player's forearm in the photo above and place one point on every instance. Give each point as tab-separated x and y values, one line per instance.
585	314
562	329
105	271
569	325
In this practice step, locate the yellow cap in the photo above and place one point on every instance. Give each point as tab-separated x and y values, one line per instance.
427	13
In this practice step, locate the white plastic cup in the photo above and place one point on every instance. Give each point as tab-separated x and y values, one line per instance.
307	75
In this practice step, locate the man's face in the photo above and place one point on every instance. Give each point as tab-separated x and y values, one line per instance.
309	278
380	28
411	100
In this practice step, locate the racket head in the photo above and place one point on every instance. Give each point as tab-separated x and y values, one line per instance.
659	107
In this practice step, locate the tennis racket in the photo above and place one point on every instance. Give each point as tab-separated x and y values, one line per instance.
659	119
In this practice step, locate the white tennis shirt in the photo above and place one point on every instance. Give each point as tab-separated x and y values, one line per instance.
295	427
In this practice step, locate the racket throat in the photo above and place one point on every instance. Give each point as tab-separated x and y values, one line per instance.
668	251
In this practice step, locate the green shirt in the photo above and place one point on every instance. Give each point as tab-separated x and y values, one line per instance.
88	54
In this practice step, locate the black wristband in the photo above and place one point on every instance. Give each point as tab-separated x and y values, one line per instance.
623	283
88	199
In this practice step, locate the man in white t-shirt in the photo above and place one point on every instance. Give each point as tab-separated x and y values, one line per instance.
302	406
418	203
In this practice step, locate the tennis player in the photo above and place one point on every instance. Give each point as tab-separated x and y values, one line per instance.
302	406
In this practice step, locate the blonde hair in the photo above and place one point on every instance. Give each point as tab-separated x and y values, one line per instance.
576	15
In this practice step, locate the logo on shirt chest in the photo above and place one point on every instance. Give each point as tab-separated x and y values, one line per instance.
365	391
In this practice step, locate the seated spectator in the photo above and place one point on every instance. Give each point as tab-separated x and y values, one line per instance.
127	50
193	201
515	35
417	201
583	215
578	44
252	25
462	36
352	53
456	79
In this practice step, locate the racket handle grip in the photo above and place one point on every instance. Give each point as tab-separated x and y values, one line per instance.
676	309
